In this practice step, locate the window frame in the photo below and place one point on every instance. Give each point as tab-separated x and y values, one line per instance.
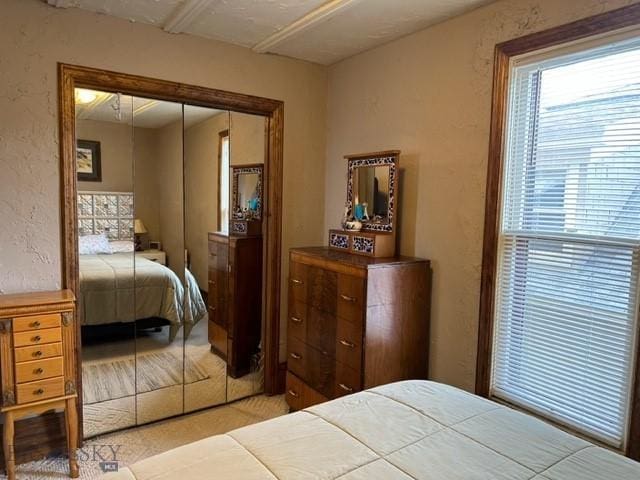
224	134
605	23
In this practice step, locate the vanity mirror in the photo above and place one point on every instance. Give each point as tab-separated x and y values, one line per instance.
246	217
368	225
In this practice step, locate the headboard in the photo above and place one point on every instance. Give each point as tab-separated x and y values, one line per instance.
106	212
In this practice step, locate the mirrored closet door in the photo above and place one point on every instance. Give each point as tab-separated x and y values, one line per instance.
106	301
245	321
164	312
170	239
206	180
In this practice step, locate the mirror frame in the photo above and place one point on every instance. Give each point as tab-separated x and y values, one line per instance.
74	76
244	170
378	159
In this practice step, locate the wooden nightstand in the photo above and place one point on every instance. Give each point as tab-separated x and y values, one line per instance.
38	367
157	256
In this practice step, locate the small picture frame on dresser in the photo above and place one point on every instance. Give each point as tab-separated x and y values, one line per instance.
155	245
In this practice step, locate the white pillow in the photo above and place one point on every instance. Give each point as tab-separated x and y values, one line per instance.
93	245
122	246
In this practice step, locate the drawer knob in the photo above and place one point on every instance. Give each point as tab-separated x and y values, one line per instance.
211	282
294	394
296	320
35	324
37	338
37	353
38	391
345	388
295	356
213	309
347	343
295	281
38	371
347	298
212	255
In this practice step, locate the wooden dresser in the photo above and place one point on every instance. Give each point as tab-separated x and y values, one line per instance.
235	299
353	323
38	366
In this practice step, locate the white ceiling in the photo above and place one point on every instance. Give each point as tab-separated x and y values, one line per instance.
321	31
140	112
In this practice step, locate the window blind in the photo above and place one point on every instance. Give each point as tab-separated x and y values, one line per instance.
569	239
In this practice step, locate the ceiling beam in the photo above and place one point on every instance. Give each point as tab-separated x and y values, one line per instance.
184	15
322	13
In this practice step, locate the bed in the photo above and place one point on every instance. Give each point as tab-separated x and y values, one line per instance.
408	430
108	293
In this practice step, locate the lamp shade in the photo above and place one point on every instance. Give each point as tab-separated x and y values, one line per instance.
139	227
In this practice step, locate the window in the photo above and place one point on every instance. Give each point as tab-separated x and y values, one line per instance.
223	185
568	253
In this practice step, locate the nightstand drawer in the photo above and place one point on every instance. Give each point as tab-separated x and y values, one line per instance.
36	322
37	352
40	390
39	369
36	337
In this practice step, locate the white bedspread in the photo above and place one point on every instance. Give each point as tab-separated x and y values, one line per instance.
109	294
408	430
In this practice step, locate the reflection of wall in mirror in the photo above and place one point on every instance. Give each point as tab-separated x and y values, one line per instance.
247	138
121	145
201	177
201	190
116	144
169	198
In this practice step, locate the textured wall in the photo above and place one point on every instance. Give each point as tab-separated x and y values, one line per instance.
429	94
34	36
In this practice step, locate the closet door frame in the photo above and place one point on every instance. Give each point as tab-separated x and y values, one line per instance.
74	76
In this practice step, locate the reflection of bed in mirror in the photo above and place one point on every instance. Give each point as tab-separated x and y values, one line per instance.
106	292
115	286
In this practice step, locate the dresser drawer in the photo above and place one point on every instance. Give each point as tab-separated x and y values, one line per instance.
310	365
297	320
40	390
212	287
36	322
39	369
218	339
37	352
349	344
298	281
348	380
351	298
36	337
321	331
299	395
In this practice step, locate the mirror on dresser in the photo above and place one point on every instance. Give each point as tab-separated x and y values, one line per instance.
371	194
369	220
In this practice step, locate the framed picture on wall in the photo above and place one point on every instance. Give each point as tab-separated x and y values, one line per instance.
88	161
